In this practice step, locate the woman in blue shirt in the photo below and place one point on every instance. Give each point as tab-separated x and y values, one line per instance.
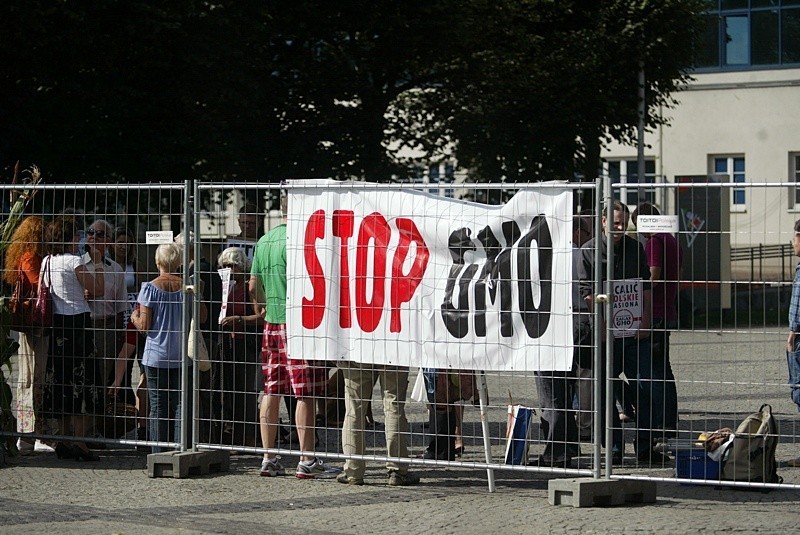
160	318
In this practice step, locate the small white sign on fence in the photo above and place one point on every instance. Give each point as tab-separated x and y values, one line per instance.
653	224
157	237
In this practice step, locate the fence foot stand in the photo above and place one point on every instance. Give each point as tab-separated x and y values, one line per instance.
589	492
182	464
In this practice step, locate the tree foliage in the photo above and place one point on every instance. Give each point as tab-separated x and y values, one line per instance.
556	79
135	90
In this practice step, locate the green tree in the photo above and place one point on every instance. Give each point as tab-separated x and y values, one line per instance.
343	65
555	80
523	91
131	90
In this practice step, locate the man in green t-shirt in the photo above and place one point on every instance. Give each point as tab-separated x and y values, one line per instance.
307	379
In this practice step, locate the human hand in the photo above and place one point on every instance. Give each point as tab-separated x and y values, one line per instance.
229	322
113	390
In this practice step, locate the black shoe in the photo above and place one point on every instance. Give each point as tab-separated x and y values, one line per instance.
653	458
81	454
550	463
427	454
63	451
437	455
616	458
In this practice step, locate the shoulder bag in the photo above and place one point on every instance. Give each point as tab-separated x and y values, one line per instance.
20	307
199	352
42	314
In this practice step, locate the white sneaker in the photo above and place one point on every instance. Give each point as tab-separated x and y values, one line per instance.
272	468
316	469
41	447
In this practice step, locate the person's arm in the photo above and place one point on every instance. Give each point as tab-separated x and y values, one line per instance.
121	297
647	314
794	315
203	312
93	283
257	295
142	318
647	294
239	323
585	273
199	291
654	251
121	367
655	275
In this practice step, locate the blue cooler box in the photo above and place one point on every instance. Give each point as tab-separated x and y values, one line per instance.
695	464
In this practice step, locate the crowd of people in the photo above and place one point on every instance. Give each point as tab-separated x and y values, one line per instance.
107	318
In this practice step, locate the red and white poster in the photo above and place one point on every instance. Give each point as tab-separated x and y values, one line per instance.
626	307
408	278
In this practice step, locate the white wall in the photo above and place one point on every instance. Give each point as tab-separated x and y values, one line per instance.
755	114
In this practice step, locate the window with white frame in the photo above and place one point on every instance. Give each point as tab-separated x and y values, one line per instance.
734	167
794	176
627	172
438	176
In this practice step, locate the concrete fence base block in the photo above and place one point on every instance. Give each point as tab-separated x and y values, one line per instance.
588	492
182	464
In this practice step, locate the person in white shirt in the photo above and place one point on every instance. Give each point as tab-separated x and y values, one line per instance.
71	391
107	309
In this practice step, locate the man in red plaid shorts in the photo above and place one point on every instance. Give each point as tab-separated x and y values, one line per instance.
307	379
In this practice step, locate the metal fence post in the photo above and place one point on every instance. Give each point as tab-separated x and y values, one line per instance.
185	394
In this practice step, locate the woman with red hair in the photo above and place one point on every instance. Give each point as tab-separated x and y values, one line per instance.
23	260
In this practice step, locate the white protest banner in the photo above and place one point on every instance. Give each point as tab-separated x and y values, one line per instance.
626	307
404	277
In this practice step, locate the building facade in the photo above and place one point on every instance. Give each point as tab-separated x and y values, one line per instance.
738	121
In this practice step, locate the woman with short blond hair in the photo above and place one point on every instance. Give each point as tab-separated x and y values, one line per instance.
160	318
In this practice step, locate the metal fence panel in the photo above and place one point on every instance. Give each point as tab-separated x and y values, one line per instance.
727	348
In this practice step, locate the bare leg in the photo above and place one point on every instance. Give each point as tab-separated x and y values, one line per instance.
268	422
81	424
459	412
304	419
142	403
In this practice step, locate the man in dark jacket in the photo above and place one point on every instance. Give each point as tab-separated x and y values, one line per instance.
631	352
